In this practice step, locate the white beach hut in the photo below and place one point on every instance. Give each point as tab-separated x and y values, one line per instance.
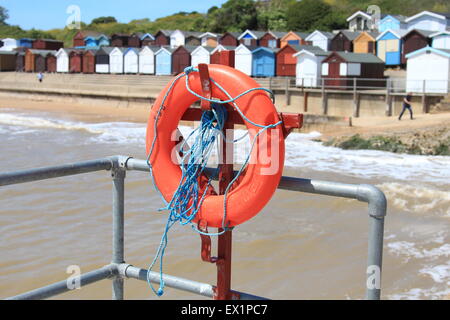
309	66
62	60
244	59
201	55
441	40
435	78
321	39
131	60
147	60
116	60
9	44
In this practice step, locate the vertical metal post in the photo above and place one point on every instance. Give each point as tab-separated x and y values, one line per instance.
118	175
324	98
424	97
355	100
224	250
375	257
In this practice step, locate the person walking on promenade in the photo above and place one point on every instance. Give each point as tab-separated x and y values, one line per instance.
407	106
40	76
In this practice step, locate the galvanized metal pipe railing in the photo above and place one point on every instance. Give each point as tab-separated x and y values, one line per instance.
118	269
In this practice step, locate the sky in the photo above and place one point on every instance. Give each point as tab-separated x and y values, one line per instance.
50	14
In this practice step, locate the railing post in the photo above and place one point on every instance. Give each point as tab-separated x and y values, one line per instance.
324	98
388	98
424	97
118	175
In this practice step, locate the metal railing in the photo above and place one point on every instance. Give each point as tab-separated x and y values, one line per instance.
392	85
118	269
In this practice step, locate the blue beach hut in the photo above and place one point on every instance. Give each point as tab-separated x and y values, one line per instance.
392	22
26	43
163	61
389	47
264	62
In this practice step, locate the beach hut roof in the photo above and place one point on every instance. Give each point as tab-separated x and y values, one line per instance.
443	52
398	33
43	53
326	34
272	50
152	48
359	13
440	33
359	57
255	34
438	15
278	34
425	33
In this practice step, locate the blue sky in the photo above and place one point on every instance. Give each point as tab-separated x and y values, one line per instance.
49	14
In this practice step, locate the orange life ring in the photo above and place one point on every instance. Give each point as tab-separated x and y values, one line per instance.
257	185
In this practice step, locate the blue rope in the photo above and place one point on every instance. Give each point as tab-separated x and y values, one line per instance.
188	198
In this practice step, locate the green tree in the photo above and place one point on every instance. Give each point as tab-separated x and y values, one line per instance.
102	20
234	15
309	15
3	16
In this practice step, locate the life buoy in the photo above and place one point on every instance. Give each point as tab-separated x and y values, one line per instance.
260	180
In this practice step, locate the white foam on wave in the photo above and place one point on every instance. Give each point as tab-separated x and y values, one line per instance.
301	150
433	293
417	198
409	250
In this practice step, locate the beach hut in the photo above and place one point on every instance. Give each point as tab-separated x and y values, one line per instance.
162	37
135	40
201	55
81	37
415	40
366	42
389	47
440	40
343	41
163	61
131	60
147	59
321	39
227	59
51	63
244	59
26	43
147	39
47	44
434	77
62	60
360	21
427	20
340	68
116	60
89	61
36	60
309	66
102	58
94	42
9	44
272	39
188	38
293	38
76	61
286	62
1	43
392	22
8	60
120	40
209	39
251	37
181	58
20	61
264	62
229	39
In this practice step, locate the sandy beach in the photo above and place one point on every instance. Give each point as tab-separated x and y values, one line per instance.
364	126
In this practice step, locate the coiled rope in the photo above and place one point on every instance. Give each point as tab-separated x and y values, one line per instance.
188	198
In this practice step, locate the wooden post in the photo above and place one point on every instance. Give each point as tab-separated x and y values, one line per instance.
424	98
388	98
305	101
355	100
288	100
324	98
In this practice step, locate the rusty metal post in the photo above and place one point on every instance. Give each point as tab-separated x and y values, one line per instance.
224	252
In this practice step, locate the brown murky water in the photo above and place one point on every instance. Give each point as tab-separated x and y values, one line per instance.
300	247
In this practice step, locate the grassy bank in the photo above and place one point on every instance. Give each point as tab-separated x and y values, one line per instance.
430	142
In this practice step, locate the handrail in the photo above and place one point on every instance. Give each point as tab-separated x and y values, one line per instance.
117	270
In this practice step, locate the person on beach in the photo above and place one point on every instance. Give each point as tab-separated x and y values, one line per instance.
407	106
40	76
